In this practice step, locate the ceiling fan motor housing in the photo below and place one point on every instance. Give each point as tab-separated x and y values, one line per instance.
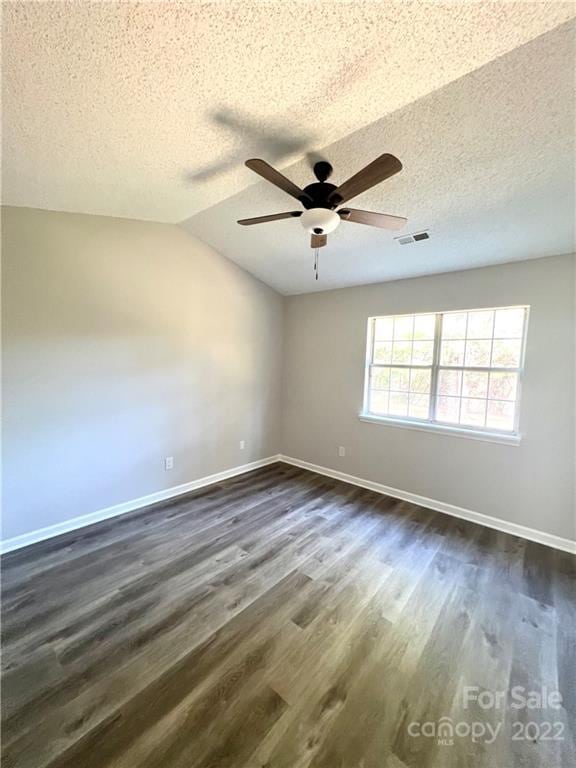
319	221
318	195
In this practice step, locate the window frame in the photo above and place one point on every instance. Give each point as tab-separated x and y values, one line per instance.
431	423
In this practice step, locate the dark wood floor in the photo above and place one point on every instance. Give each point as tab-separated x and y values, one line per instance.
283	619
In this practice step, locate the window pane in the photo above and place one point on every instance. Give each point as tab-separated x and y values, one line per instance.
422	352
424	326
503	386
419	380
475	384
478	354
480	325
509	323
379	403
448	409
380	378
449	382
500	415
400	379
419	406
382	351
384	328
477	378
473	412
506	353
452	353
402	352
454	325
403	327
398	404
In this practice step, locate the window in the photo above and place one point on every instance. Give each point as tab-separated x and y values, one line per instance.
455	369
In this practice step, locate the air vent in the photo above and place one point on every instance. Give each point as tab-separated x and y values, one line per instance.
414	238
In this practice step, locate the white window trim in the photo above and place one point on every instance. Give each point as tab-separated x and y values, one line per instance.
506	438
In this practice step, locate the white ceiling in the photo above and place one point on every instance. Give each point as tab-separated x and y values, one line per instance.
489	165
115	107
148	110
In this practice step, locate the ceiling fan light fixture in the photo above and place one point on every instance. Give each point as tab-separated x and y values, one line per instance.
322	219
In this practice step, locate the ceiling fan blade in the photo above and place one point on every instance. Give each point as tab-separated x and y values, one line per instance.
262	168
378	170
272	217
382	220
318	241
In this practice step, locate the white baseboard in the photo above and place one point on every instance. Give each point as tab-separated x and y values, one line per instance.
541	537
524	532
128	506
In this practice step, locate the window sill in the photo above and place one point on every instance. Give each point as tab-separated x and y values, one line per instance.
489	437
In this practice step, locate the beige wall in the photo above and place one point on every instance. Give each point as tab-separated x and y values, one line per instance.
325	344
125	342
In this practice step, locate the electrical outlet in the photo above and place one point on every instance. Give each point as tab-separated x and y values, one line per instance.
341	450
169	463
242	444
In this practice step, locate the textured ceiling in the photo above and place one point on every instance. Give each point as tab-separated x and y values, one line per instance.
147	110
488	168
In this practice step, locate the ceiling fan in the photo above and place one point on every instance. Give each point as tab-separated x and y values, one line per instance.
321	199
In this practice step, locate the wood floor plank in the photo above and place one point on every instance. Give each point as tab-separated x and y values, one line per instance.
140	576
282	619
250	487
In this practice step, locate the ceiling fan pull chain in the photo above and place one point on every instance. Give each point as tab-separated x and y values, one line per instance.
316	261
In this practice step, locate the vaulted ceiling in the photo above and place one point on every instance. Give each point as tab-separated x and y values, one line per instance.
489	170
148	110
